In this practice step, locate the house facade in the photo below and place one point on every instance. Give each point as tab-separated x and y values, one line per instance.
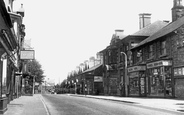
159	59
10	40
117	56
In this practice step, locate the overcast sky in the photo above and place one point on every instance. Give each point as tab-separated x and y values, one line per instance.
65	33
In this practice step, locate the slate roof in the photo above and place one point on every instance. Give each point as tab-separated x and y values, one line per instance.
92	68
164	31
151	29
144	32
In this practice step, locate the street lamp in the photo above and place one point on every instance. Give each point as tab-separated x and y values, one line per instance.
125	79
33	84
76	86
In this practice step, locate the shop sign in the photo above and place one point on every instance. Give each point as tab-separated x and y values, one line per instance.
98	79
134	74
27	54
136	68
159	63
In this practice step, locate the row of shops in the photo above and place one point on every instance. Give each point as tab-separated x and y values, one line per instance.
148	63
154	79
11	43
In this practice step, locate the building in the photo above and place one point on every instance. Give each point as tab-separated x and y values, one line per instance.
117	56
159	60
10	43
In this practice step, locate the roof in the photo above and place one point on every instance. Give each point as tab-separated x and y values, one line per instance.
151	29
5	14
93	68
164	31
144	32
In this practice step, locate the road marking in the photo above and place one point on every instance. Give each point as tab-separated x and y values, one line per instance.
45	106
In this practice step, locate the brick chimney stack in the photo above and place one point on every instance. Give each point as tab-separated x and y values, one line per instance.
144	20
177	10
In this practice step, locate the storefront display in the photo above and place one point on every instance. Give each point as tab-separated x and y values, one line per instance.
136	81
159	79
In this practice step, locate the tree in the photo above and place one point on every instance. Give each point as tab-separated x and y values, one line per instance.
35	70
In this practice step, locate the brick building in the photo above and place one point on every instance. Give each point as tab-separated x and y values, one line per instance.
115	80
160	59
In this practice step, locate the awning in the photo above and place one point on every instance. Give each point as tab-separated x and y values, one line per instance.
94	70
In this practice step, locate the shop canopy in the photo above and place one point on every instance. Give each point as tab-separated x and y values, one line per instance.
96	70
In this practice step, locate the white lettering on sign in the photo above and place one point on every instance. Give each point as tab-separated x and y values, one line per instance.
159	63
98	79
136	68
27	54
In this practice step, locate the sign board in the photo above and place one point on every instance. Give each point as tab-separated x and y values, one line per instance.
27	54
159	63
136	68
98	79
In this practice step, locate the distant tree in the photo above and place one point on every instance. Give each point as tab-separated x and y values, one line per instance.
35	69
63	84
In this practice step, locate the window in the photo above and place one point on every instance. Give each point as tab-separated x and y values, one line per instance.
133	44
150	52
163	48
139	55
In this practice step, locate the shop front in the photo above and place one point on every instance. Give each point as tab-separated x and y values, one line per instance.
98	85
92	80
137	81
179	82
159	79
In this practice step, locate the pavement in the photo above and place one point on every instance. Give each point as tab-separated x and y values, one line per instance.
27	105
35	105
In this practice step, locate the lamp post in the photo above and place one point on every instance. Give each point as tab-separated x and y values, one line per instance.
33	84
76	86
124	79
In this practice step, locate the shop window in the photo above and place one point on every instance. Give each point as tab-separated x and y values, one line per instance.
157	78
163	48
134	86
4	87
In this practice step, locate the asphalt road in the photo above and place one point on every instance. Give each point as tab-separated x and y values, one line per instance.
71	105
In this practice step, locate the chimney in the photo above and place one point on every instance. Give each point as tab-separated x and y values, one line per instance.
144	20
177	10
21	11
119	33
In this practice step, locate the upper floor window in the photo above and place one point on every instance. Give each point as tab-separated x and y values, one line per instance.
133	44
150	51
139	55
163	48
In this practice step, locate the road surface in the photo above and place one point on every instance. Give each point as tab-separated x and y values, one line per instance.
72	105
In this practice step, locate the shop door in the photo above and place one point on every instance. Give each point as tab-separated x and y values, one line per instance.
142	84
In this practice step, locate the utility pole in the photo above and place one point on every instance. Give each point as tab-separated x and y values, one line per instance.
125	78
33	84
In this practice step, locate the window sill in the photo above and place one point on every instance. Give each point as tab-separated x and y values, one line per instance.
163	55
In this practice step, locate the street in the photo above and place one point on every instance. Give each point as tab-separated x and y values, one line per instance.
72	105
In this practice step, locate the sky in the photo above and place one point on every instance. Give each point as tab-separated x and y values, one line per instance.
65	33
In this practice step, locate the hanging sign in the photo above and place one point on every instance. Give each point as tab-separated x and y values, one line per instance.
27	54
